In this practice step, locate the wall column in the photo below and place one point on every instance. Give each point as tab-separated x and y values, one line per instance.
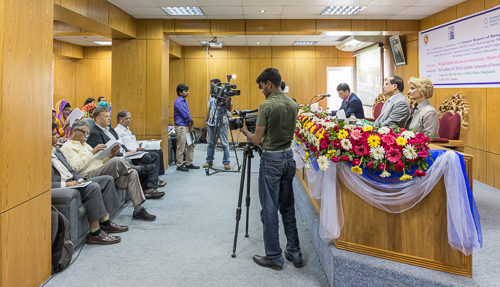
25	127
139	81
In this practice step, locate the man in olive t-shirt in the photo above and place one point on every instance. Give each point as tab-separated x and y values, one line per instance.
274	130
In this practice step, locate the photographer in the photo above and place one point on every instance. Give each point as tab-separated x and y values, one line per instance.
274	130
214	110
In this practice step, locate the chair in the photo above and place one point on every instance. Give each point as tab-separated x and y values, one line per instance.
378	104
90	122
453	122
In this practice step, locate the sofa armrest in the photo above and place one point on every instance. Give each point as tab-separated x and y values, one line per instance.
64	196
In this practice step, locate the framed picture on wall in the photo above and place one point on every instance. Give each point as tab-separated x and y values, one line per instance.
397	51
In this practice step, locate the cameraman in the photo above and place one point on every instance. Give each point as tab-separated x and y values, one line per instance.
214	109
274	130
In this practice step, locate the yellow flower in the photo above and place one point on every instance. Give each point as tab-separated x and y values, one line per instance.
357	169
330	153
373	140
368	129
307	155
401	141
342	134
405	177
312	129
308	124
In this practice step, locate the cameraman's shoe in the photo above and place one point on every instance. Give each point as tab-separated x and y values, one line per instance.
227	166
182	168
206	165
192	166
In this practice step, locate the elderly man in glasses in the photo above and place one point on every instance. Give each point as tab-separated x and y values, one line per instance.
80	157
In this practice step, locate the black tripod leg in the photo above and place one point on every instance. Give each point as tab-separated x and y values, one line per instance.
249	172
238	209
234	147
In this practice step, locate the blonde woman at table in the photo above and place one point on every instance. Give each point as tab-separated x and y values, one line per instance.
423	116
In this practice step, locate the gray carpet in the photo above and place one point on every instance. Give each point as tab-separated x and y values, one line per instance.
190	243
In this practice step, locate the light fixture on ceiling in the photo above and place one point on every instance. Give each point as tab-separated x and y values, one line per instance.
183	11
258	43
103	43
262	11
342	10
304	43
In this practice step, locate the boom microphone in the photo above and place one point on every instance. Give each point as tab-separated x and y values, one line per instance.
324	96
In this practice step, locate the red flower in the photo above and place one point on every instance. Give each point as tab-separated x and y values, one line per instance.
420	173
382	166
336	159
323	144
335	144
393	155
423	154
388	139
361	150
399	166
355	161
345	158
336	128
370	164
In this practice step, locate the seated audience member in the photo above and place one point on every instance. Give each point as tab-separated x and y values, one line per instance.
101	133
103	103
63	109
396	110
283	86
88	109
129	140
183	125
351	104
423	116
101	99
54	117
88	101
80	157
99	196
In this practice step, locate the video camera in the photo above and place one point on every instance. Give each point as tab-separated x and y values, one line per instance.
224	90
247	115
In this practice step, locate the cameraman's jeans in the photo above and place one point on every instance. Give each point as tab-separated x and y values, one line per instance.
223	140
276	173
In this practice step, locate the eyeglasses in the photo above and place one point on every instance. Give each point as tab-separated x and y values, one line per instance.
83	132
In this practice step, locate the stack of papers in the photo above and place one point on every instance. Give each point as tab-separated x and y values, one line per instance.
76	186
76	114
136	155
150	145
109	146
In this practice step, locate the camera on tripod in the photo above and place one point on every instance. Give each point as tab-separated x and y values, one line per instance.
247	115
224	90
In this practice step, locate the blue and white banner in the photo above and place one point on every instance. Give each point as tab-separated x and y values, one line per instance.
463	52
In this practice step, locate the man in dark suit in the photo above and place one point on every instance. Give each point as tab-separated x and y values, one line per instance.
351	104
99	196
149	164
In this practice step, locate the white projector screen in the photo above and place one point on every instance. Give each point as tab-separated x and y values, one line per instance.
369	75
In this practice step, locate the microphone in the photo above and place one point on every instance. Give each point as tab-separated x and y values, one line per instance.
324	96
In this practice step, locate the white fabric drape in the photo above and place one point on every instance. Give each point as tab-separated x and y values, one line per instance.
395	198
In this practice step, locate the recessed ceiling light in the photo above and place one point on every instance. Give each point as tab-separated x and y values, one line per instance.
342	10
258	43
103	43
304	43
262	11
183	11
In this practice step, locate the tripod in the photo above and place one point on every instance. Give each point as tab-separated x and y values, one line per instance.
220	110
247	166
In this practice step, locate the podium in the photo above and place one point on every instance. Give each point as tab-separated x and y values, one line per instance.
417	236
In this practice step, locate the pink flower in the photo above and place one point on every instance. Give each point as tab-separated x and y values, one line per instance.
356	134
393	155
323	144
336	128
313	149
336	159
399	166
344	158
335	144
355	161
420	173
382	166
423	154
388	139
361	150
370	164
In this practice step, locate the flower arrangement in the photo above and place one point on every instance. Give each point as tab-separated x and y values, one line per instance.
383	149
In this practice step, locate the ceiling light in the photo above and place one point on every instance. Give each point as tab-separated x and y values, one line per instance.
262	11
183	11
342	10
103	43
258	43
304	43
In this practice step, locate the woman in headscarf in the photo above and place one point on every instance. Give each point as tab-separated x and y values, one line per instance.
63	109
88	109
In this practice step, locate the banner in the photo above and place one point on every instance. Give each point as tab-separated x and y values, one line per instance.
464	52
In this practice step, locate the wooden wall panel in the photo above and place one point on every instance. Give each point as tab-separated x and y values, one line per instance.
286	68
260	52
93	80
238	52
193	27
491	3
64	81
240	67
333	25
304	52
176	77
492	133
218	53
25	242
195	77
321	78
227	27
326	52
298	27
493	170
154	86
469	7
446	15
194	52
477	136
282	52
304	79
256	68
175	49
97	52
217	69
369	25
263	27
428	22
479	170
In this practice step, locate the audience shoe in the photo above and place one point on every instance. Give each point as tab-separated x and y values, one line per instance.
143	215
206	165
266	262
227	167
289	258
103	239
148	168
114	228
192	166
182	168
153	193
